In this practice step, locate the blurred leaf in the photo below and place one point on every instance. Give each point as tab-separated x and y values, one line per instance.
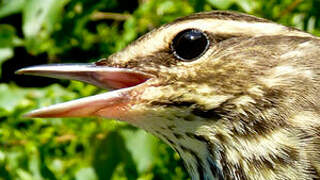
13	97
110	152
8	40
221	4
5	54
142	147
40	19
7	35
34	164
24	175
198	4
4	174
86	174
10	97
245	5
36	16
8	7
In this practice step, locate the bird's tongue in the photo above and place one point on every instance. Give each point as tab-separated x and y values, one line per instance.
113	104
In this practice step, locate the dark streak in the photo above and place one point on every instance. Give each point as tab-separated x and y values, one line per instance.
171	127
178	136
225	166
215	170
169	140
239	173
221	138
169	103
224	15
200	167
208	114
190	135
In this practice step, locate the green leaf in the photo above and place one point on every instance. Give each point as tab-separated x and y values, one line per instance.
5	54
8	7
244	5
4	174
7	36
142	146
86	174
221	4
8	40
41	16
109	154
34	163
13	97
198	4
10	97
247	5
24	175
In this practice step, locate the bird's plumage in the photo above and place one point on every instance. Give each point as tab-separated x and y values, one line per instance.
247	108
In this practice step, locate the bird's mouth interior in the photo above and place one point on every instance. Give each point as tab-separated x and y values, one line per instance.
111	104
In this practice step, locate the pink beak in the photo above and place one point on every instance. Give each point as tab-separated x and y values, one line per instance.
114	104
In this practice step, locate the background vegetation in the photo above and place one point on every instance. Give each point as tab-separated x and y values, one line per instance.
53	31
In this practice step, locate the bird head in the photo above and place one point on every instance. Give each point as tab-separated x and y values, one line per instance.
218	87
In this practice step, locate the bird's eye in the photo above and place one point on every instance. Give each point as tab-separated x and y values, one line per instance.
189	44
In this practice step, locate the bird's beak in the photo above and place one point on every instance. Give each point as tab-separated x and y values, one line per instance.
113	104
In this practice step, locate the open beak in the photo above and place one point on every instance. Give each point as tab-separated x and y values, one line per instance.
112	104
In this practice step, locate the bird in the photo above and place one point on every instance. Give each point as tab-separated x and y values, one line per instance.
235	95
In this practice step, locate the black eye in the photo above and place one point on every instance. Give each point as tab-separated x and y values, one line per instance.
189	44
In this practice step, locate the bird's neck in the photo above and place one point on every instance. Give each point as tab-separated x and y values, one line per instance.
271	157
237	148
223	152
278	154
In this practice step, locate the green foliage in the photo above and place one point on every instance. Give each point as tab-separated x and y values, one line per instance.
85	30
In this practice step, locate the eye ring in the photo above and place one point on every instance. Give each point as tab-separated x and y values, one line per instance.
190	44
